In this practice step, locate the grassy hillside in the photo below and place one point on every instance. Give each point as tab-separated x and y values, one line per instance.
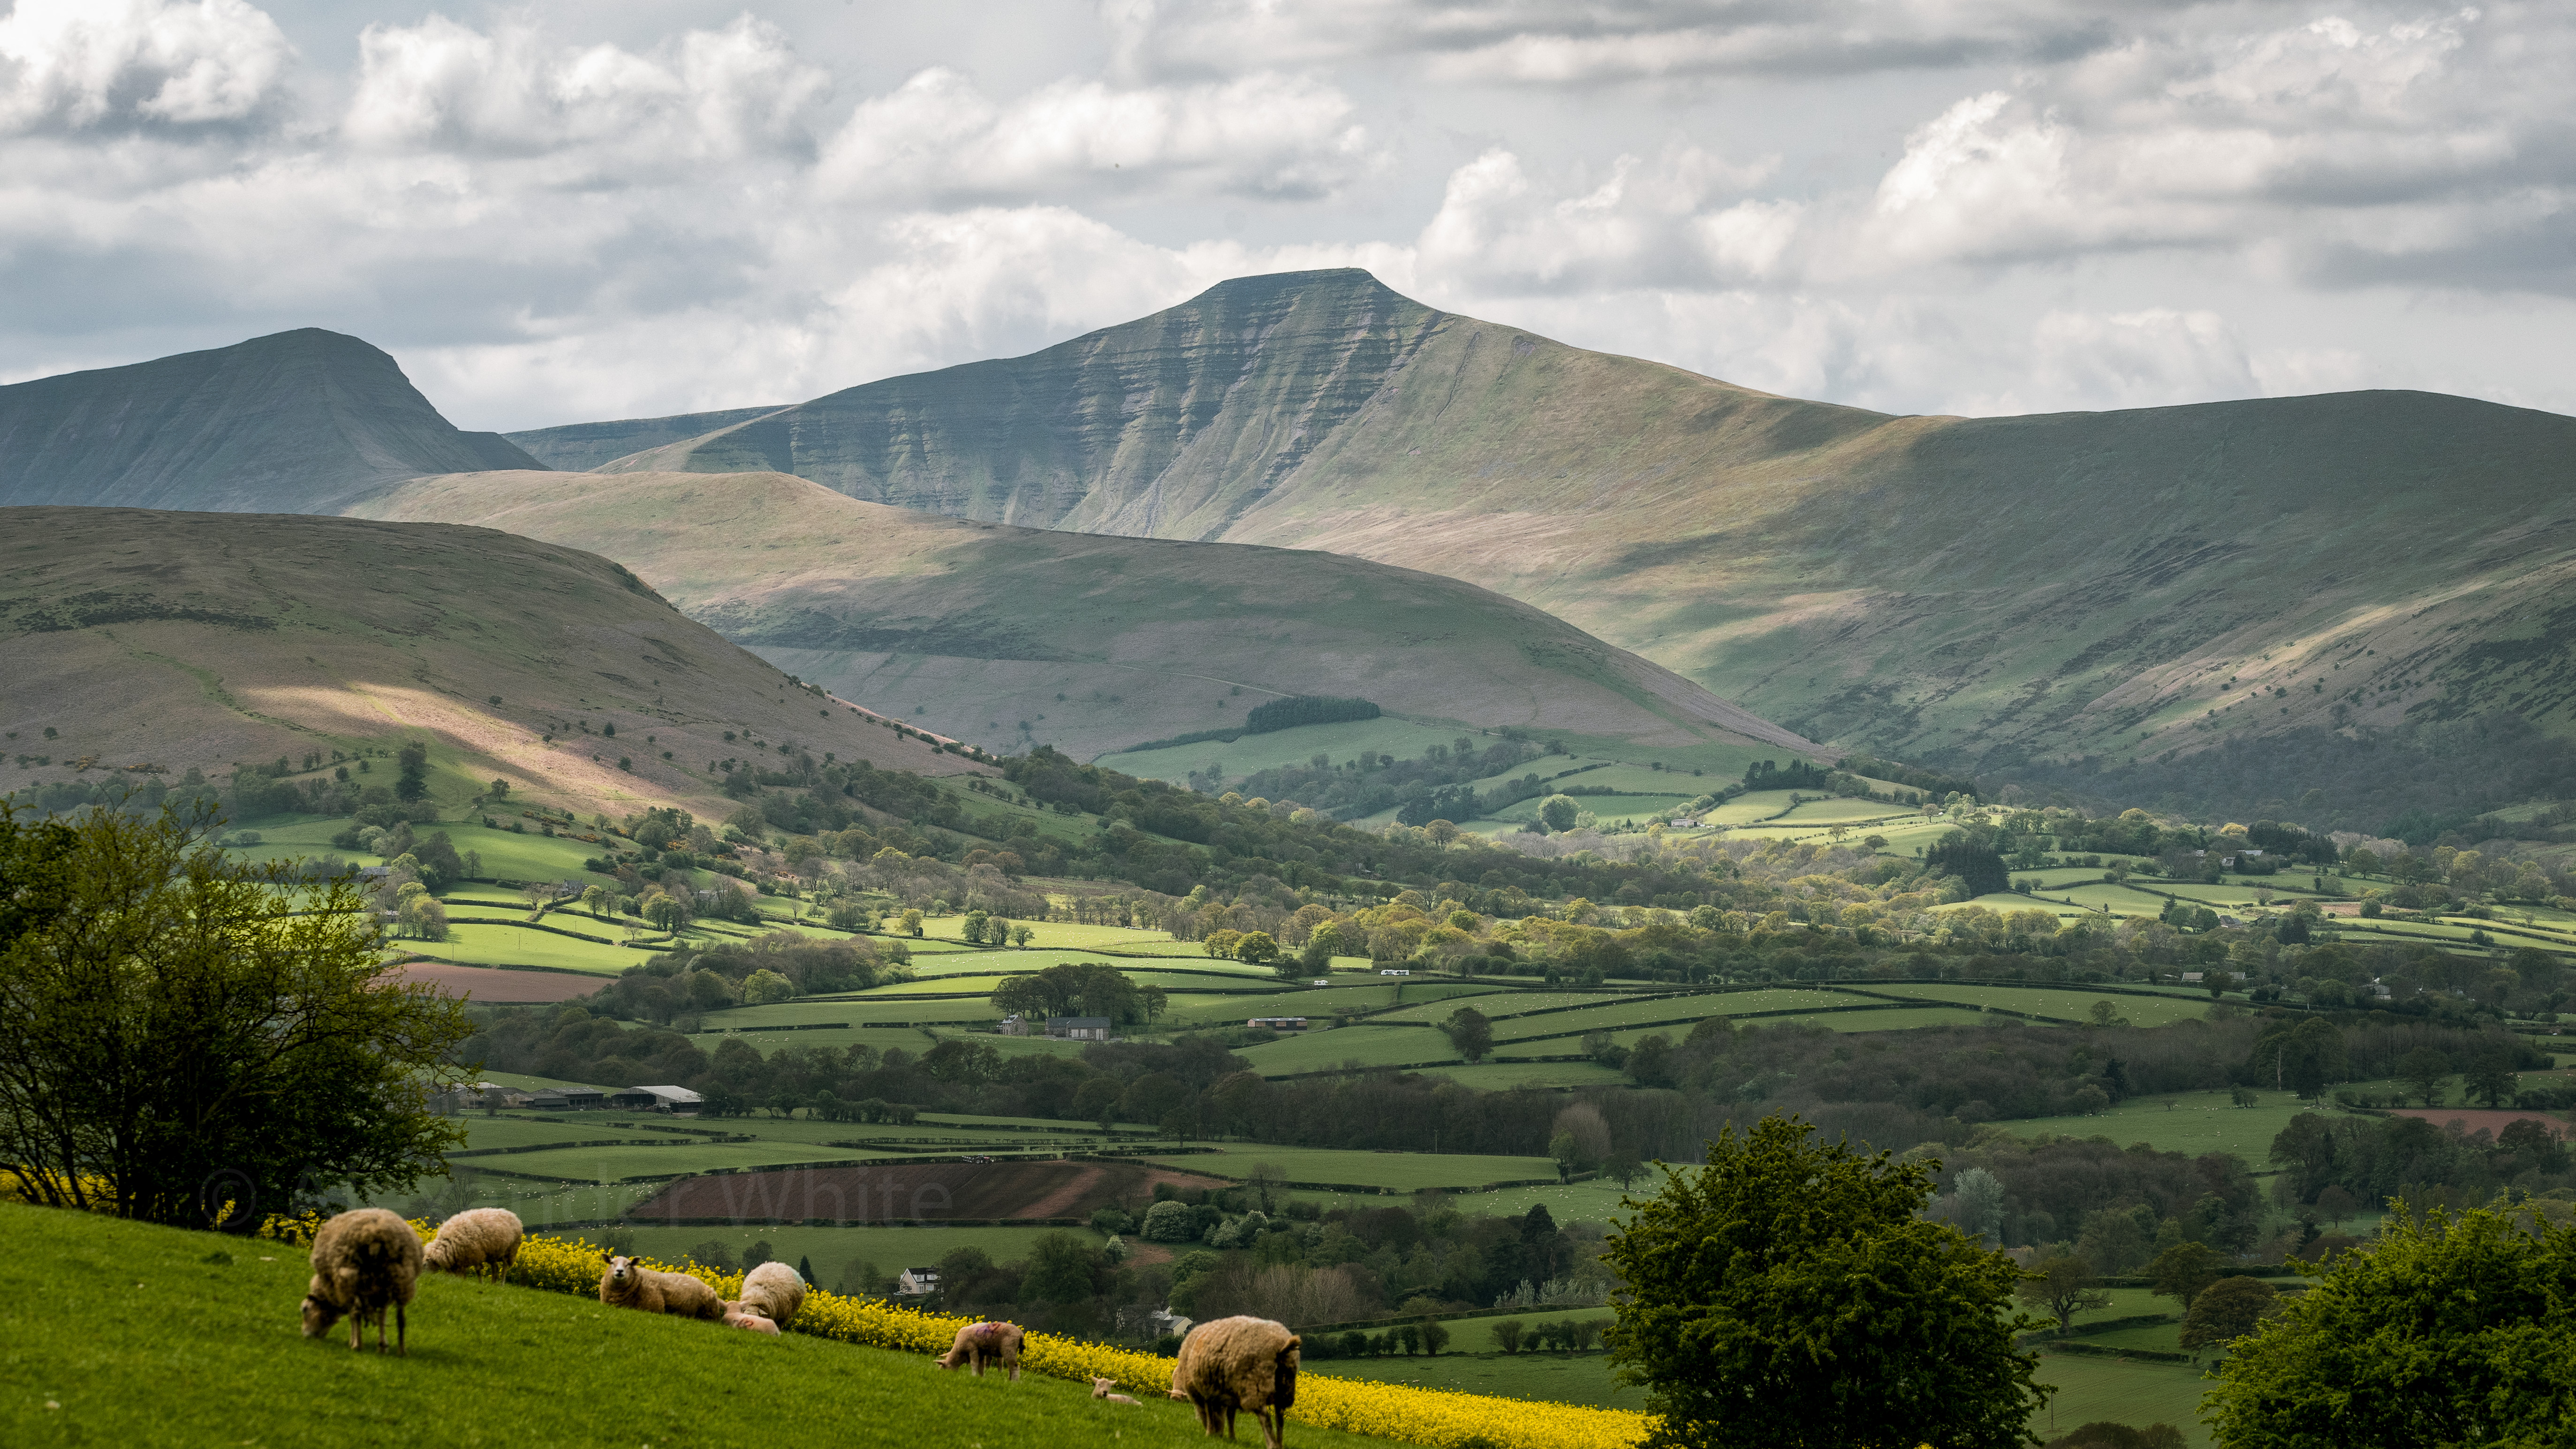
125	1333
587	445
2115	583
1007	636
284	424
156	642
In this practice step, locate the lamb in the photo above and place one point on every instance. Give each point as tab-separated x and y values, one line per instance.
363	1262
1240	1363
735	1318
982	1343
473	1241
627	1283
1100	1390
773	1291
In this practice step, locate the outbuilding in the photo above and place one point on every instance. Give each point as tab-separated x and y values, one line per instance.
1078	1028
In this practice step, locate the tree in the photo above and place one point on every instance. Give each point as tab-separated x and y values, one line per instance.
1256	948
2063	1286
596	899
188	1039
1557	812
977	923
2490	1077
1623	1168
1980	1197
2228	1310
2183	1270
1434	1337
1060	1269
1507	1335
1020	935
412	780
1471	1032
1267	1181
2424	1073
2313	1056
1731	1268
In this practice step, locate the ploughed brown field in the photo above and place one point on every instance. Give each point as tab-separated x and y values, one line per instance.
495	987
2493	1119
928	1192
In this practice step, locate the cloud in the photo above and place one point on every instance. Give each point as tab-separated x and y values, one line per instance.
1658	223
2406	148
1530	42
1260	135
76	64
705	96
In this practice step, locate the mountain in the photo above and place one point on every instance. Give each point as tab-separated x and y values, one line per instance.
135	638
1094	641
294	423
1982	590
582	446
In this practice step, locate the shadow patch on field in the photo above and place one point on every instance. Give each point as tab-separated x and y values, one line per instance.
928	1192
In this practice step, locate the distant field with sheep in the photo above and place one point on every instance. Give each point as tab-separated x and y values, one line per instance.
219	1345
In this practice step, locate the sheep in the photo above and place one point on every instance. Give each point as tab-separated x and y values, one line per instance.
626	1283
1240	1363
772	1291
1100	1390
473	1241
981	1343
363	1262
735	1318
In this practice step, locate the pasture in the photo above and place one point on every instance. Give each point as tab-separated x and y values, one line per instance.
1368	1046
1345	740
2188	1122
1565	1378
1386	1171
2060	1002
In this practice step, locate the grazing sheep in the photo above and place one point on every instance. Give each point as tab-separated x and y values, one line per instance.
629	1284
1100	1390
982	1343
1240	1363
735	1318
773	1291
471	1242
363	1262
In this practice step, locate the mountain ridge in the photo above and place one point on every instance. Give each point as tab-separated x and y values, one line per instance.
1965	589
296	421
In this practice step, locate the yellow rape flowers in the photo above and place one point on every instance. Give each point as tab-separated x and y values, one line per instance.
1389	1411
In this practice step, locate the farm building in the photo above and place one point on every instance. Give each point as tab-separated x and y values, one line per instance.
1079	1028
1394	971
568	1099
1277	1023
913	1282
657	1099
1013	1025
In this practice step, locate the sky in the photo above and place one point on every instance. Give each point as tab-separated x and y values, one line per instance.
565	212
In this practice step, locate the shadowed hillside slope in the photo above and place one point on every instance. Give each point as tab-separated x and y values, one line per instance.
1096	642
1988	589
581	446
143	638
293	423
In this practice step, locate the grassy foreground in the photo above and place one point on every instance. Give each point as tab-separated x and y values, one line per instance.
140	1335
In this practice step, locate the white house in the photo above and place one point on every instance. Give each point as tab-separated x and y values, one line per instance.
913	1282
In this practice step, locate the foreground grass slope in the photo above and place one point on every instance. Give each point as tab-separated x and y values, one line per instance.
2079	581
121	1333
975	630
136	638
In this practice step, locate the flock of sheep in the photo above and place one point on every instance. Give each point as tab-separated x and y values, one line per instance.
368	1261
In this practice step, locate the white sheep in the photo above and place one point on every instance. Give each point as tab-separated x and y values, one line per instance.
734	1318
1237	1364
1100	1390
364	1262
773	1291
978	1344
475	1241
626	1283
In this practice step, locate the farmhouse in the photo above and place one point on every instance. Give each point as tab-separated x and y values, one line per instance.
1013	1025
913	1282
1277	1023
1078	1028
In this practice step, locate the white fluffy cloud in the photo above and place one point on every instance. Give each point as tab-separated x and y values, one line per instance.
1263	134
72	64
1981	205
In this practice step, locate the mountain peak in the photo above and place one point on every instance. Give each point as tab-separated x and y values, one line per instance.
299	421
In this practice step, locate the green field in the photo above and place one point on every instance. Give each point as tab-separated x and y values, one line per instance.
835	1251
1347	740
1576	1378
1494	1076
1611	809
1894	1019
1369	1046
1665	1008
2191	1122
1399	1171
1501	1004
219	1345
2069	1004
471	945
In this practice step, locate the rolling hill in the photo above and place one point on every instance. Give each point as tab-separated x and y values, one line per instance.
1092	642
292	423
159	641
1975	589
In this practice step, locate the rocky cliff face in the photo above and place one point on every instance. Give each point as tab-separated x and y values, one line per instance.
300	422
